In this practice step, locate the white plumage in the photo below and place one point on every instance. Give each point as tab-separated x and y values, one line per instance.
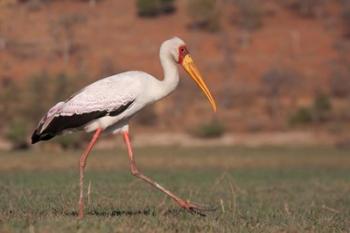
108	104
110	94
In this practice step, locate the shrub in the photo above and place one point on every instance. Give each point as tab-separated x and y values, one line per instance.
321	108
9	98
36	99
319	112
17	133
147	8
61	87
167	6
70	141
322	103
211	129
152	8
302	116
205	14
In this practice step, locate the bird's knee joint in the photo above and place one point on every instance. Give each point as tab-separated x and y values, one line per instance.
82	164
135	172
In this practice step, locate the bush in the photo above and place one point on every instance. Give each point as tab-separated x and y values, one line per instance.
152	8
205	14
17	134
63	87
147	8
167	6
9	98
321	108
212	129
301	117
37	98
70	141
320	111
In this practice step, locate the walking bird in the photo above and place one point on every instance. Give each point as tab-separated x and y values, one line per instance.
107	105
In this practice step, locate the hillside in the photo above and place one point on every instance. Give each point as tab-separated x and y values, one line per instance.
260	76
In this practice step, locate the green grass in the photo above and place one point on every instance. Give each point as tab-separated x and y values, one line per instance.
255	190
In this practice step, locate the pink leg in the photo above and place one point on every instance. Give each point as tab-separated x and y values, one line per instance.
182	203
82	165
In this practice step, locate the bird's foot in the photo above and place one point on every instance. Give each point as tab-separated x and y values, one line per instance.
81	210
195	208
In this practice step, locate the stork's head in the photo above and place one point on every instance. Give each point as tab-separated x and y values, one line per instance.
180	54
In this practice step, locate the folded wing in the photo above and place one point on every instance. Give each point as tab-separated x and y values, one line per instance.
107	97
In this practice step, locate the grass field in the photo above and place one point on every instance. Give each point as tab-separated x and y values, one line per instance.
254	189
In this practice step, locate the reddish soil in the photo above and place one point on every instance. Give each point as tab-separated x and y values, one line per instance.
112	33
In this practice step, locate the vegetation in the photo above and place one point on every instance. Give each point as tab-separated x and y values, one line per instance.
152	8
321	108
211	129
23	106
148	8
37	100
72	141
167	6
9	98
205	14
302	116
320	111
69	36
254	190
17	133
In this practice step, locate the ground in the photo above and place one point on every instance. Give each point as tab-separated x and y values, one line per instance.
264	189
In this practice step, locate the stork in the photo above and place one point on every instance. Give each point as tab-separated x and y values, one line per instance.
107	105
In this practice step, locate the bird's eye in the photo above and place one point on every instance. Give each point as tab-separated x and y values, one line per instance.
182	50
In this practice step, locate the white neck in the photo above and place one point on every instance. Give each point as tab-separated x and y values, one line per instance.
171	75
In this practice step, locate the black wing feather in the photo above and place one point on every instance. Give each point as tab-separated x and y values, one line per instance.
60	123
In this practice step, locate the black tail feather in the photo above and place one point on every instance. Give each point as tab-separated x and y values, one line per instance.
36	137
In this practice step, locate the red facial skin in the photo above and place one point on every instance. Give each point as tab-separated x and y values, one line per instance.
183	51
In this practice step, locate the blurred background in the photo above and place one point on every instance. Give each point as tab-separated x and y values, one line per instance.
279	69
274	158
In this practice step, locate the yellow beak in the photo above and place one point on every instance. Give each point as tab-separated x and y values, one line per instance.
192	70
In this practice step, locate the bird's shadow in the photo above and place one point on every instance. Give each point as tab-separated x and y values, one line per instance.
143	212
